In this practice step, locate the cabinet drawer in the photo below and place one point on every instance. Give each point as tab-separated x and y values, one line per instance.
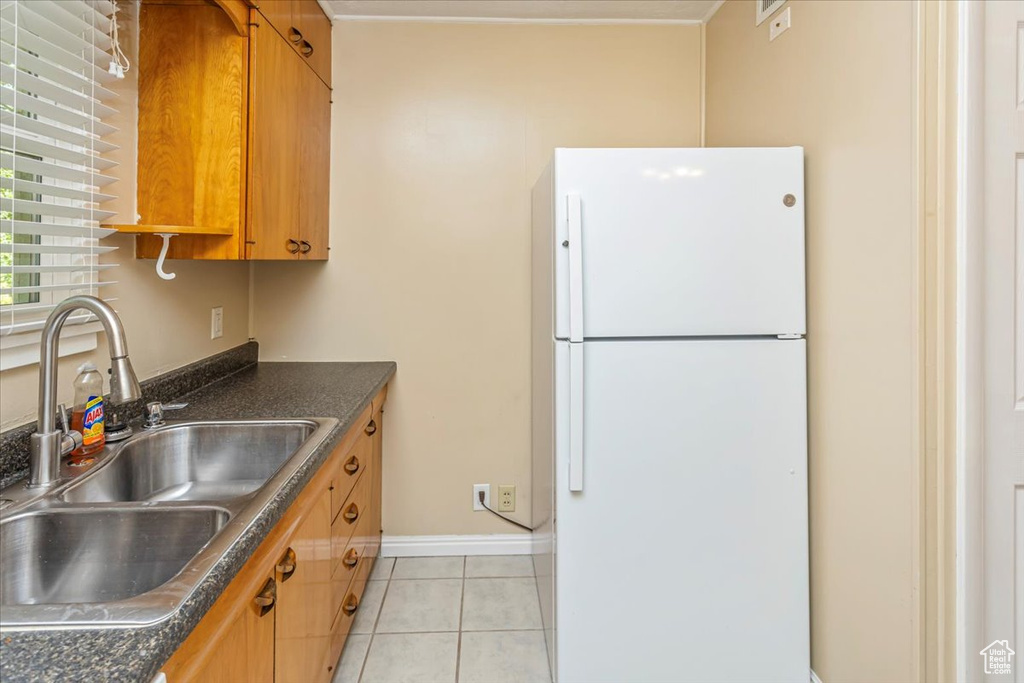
349	471
345	617
352	556
344	527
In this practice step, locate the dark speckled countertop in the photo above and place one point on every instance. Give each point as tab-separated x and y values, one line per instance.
265	390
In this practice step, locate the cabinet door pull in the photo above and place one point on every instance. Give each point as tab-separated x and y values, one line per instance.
351	604
352	514
371	428
352	466
287	564
294	35
266	598
293	247
351	558
306	247
306	49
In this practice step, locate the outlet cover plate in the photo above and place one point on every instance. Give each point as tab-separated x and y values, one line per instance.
486	488
506	498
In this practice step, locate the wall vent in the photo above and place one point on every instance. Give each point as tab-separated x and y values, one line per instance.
765	8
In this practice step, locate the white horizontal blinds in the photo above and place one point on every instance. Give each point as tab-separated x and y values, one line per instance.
54	96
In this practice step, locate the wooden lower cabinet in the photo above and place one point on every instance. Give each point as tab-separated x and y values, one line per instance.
287	613
303	623
245	651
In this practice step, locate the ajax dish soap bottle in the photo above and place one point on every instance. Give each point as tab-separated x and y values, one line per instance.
87	416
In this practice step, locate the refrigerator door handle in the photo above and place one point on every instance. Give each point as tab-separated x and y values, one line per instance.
575	417
575	215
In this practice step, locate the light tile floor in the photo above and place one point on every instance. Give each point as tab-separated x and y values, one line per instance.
447	620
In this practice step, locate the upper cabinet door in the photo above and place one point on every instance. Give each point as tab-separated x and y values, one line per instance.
315	43
280	14
278	77
314	167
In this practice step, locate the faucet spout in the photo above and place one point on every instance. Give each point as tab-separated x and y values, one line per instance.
48	444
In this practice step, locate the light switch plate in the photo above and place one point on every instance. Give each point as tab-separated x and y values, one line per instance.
780	23
217	322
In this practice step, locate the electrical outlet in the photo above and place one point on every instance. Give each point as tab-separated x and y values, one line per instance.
217	322
477	488
507	498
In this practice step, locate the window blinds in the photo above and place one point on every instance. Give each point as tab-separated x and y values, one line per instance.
54	59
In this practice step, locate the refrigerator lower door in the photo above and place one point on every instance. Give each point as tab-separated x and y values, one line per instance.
684	557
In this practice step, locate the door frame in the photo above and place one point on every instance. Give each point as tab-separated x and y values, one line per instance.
970	337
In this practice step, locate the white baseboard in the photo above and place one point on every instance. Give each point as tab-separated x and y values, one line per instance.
814	677
434	546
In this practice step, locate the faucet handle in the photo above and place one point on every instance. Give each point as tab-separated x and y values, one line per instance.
70	439
62	415
154	413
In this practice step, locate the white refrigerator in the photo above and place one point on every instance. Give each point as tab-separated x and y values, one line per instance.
670	415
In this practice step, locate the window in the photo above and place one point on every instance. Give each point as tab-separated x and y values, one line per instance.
55	64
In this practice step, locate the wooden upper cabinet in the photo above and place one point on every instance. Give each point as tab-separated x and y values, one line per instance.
314	167
291	153
191	167
234	130
280	14
275	146
306	28
315	43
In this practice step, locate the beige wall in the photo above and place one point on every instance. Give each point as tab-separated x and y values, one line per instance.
846	82
439	131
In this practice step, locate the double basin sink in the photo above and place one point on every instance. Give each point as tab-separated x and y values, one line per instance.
128	541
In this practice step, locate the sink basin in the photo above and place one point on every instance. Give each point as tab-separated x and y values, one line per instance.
93	556
206	461
125	543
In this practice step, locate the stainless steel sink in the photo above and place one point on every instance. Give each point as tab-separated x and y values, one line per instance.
194	462
126	541
70	556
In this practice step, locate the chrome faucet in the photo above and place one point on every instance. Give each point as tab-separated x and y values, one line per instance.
48	443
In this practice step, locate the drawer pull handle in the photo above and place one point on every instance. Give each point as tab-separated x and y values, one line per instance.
294	35
287	564
293	247
352	466
306	49
266	598
306	247
351	558
352	514
371	428
351	604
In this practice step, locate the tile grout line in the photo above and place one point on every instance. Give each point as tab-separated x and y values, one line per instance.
462	602
543	629
373	629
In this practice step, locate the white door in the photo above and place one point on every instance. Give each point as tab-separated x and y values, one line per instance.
681	242
684	556
1004	332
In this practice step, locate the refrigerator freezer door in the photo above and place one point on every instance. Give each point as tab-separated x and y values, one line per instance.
682	242
684	557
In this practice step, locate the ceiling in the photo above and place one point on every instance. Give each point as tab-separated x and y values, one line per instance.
558	10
